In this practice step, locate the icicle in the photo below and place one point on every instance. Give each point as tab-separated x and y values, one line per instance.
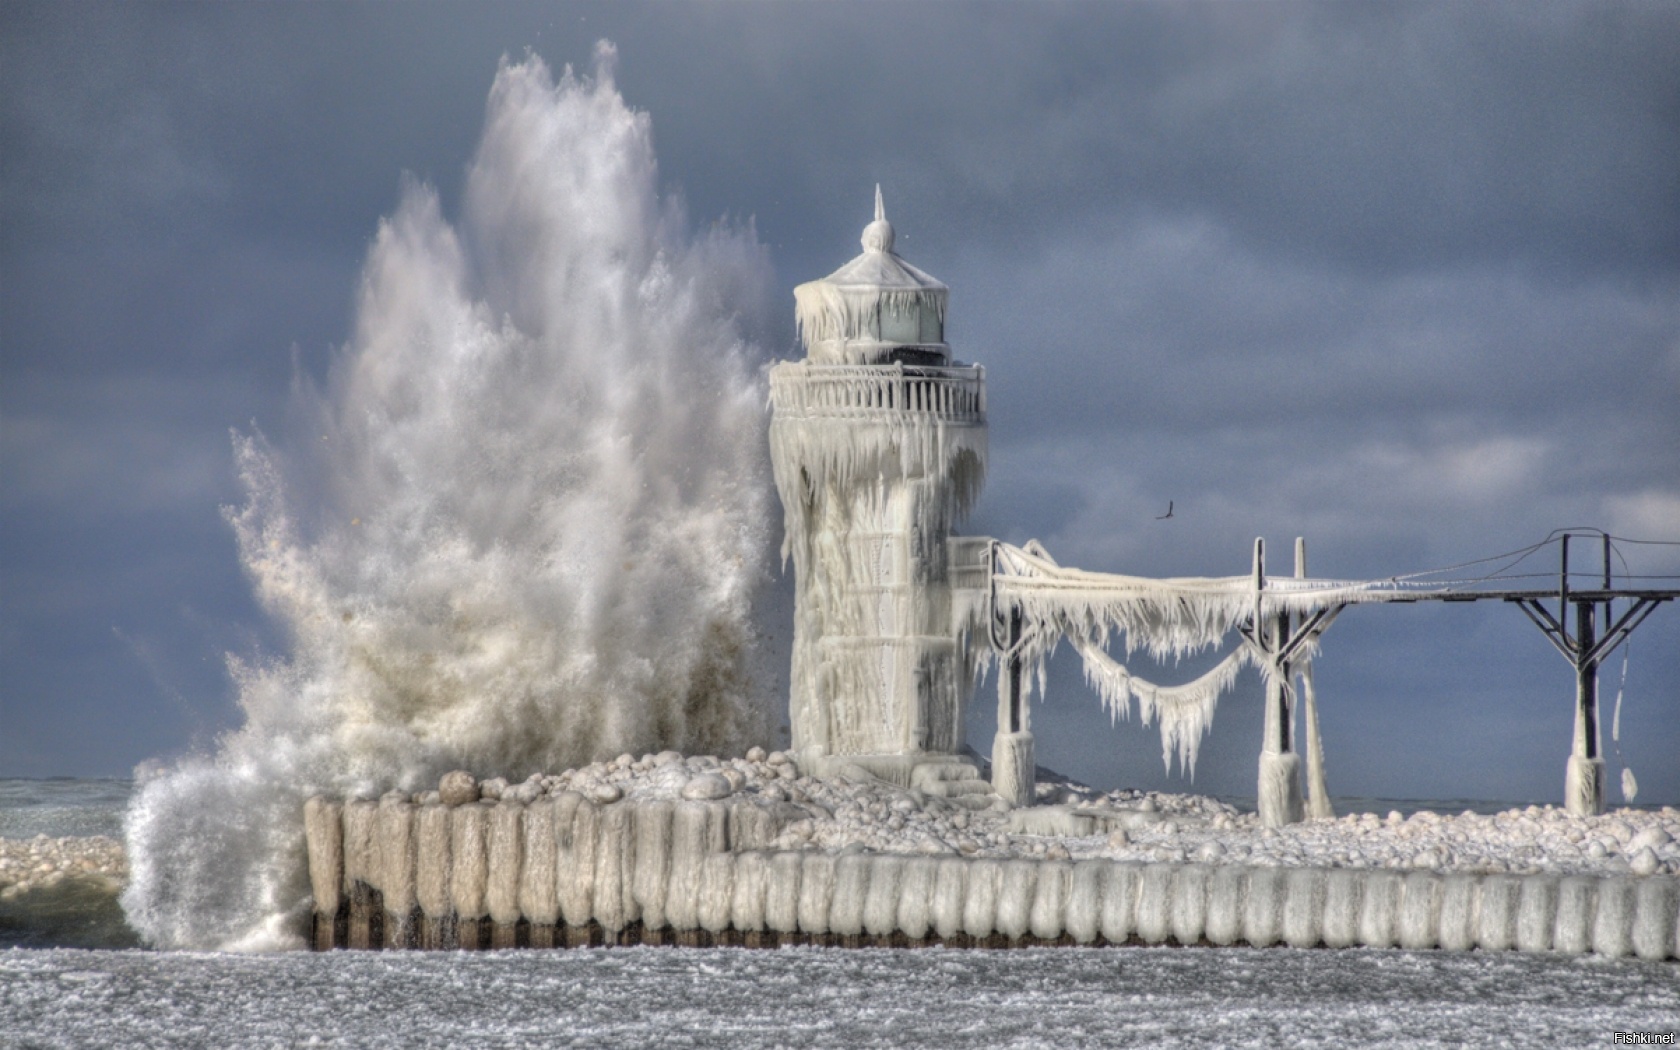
856	450
1630	786
1185	711
1318	804
1166	618
1616	719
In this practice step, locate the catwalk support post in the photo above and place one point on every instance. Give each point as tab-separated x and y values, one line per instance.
1014	764
1279	789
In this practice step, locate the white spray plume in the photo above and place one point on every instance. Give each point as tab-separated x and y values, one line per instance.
542	518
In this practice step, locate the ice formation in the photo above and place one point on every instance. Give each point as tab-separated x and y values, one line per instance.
538	529
872	306
625	851
1167	619
1236	999
44	862
535	527
878	443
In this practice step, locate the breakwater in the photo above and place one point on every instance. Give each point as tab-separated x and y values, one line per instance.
567	871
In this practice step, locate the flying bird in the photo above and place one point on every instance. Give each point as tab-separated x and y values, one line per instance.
1168	514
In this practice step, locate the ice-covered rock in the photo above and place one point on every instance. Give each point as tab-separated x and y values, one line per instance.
457	788
1649	838
527	792
707	786
1209	851
602	794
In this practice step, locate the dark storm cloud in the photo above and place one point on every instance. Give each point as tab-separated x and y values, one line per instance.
1181	334
1372	136
1400	278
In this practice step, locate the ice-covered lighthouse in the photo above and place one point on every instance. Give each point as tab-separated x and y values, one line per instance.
878	440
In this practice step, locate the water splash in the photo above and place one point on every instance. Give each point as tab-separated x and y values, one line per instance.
536	526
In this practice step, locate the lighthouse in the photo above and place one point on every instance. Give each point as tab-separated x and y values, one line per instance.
878	444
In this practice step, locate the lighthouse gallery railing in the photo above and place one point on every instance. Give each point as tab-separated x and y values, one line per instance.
956	395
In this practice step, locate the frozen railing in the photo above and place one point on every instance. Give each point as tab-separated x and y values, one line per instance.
970	562
956	395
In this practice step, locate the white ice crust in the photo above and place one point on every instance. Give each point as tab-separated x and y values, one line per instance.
845	814
840	316
619	847
1167	619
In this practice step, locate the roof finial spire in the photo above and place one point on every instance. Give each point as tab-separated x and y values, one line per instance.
878	235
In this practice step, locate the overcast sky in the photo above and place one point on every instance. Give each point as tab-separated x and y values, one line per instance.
1403	279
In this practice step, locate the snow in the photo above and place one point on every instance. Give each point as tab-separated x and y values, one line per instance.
1160	827
839	815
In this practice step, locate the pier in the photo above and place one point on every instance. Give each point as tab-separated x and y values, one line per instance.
878	445
567	872
1280	621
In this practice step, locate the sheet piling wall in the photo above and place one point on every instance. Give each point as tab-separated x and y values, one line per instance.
567	872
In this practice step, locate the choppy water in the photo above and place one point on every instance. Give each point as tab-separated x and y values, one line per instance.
60	806
521	525
75	914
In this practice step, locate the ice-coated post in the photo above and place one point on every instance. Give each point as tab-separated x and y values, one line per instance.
324	840
1584	779
397	863
1014	764
1583	791
469	872
1318	797
1014	767
1279	791
361	874
501	888
435	860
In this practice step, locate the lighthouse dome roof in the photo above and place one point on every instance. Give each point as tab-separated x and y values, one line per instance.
873	305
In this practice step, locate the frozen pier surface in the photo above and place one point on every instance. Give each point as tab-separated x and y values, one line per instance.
562	871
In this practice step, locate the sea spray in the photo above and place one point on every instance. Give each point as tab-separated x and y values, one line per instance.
530	531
